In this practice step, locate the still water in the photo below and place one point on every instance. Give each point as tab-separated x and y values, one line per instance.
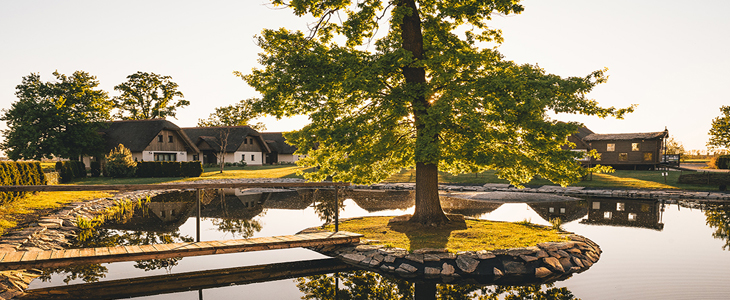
651	249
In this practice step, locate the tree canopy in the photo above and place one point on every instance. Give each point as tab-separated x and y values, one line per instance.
239	114
720	130
58	118
404	83
148	96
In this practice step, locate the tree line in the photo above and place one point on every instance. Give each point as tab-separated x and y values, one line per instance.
61	118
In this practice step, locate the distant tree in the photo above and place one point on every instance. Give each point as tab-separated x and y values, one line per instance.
720	130
148	96
58	118
239	114
418	91
674	146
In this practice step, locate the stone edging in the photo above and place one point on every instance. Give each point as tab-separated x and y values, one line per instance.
545	262
565	191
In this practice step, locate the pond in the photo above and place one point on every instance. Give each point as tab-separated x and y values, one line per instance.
651	249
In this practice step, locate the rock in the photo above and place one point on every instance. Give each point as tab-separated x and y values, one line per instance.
578	263
563	253
387	268
431	271
553	264
515	268
415	257
446	255
484	254
542	254
430	250
466	263
587	262
353	258
364	248
497	272
447	269
565	262
528	258
542	272
389	259
430	257
406	268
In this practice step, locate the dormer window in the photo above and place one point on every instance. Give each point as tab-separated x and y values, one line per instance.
169	139
159	138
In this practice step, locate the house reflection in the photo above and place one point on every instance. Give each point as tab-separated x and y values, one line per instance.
566	211
625	212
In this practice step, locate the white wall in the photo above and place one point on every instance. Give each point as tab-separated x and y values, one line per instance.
150	155
258	158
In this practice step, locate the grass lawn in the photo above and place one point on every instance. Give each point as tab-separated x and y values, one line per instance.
474	235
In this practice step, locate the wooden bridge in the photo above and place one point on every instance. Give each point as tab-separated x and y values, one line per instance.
58	258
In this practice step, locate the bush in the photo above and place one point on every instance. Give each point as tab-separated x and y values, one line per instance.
169	169
721	162
19	173
95	169
119	163
68	170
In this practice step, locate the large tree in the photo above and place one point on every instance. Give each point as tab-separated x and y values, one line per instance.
148	96
58	118
404	83
239	114
720	131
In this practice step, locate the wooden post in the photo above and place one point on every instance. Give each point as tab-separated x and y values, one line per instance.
337	210
197	219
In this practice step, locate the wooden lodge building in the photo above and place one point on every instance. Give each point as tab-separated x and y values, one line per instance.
244	144
635	151
148	140
281	152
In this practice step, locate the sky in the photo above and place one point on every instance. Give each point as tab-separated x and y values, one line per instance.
669	57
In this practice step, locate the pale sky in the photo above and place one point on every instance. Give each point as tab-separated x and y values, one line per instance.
669	57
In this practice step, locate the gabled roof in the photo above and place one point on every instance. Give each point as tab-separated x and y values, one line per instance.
236	136
277	143
626	136
136	135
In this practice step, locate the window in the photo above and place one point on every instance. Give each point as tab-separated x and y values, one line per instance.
169	139
195	157
632	217
159	138
252	157
562	210
245	140
552	209
634	146
607	215
596	205
610	147
619	206
623	157
165	156
648	156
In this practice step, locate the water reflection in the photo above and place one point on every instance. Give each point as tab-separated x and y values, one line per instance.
368	285
625	212
718	217
566	211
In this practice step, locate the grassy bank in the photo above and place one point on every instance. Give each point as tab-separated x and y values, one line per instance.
472	235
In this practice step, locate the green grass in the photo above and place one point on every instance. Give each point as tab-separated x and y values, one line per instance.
618	179
473	235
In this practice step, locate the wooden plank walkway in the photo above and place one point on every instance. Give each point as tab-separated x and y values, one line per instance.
58	258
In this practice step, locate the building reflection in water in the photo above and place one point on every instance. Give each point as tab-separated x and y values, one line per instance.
566	211
625	212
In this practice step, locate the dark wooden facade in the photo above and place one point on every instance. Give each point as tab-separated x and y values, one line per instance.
623	150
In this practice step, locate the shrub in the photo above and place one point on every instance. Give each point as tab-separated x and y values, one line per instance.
19	173
169	169
119	163
95	169
722	161
68	170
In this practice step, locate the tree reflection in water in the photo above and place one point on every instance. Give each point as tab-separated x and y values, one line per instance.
718	217
109	238
369	285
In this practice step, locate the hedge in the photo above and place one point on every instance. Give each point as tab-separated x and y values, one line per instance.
19	173
169	169
705	178
723	162
68	170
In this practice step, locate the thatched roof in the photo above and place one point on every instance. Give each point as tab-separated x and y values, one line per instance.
236	136
136	135
626	136
277	143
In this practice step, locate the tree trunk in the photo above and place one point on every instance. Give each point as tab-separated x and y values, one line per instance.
428	206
